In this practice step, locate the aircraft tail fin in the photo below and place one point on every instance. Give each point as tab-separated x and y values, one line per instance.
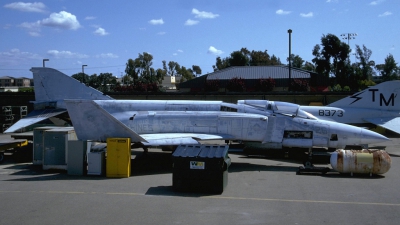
383	96
52	85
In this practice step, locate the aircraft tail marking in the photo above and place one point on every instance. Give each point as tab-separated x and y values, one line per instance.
382	96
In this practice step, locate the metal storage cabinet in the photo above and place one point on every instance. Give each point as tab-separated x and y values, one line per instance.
118	160
55	147
38	144
96	163
202	168
77	157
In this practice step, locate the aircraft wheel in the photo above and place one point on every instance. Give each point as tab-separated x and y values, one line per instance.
308	164
1	157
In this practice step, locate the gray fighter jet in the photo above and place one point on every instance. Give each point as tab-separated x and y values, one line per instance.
261	123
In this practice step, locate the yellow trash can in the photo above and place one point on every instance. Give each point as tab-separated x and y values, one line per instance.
118	162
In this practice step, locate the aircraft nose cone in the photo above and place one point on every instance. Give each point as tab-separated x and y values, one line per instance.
370	137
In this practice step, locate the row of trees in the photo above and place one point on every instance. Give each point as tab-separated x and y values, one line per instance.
139	75
331	60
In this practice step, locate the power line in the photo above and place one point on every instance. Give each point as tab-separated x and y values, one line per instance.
98	67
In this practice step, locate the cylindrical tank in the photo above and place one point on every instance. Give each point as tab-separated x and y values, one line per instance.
370	161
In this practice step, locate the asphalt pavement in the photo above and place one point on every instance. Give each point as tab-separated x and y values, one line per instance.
260	190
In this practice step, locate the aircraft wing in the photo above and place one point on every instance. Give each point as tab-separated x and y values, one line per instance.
390	123
34	117
180	138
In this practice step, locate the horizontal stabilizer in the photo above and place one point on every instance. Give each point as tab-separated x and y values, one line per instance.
390	123
34	117
91	122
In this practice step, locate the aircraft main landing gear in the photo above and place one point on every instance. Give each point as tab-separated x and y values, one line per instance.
309	166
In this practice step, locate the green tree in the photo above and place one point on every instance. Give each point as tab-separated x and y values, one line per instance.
366	65
238	58
309	66
146	72
106	82
389	70
196	70
93	82
172	68
275	61
244	57
221	63
297	61
331	59
82	77
260	58
132	69
185	74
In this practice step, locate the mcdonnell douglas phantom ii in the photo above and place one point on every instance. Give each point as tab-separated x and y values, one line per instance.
259	123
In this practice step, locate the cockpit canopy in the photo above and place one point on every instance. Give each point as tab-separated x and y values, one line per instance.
284	108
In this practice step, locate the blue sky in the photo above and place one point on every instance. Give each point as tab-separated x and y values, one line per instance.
104	34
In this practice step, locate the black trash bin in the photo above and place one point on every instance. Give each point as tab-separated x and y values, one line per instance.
200	168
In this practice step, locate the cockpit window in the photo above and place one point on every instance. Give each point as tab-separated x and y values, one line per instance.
228	109
286	108
304	114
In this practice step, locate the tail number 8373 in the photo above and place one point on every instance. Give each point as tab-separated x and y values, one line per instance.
331	112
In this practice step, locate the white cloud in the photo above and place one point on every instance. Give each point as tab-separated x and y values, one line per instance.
310	14
203	14
161	33
27	7
35	25
101	32
377	2
107	55
176	53
281	12
34	34
66	54
190	22
7	26
15	57
157	22
64	20
387	13
213	50
33	28
329	1
90	18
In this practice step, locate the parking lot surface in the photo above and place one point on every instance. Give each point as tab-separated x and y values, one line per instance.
260	190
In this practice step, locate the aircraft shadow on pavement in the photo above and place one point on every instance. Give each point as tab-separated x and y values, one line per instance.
151	163
161	163
168	191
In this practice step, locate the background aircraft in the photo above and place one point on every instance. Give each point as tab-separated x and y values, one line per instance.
378	105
